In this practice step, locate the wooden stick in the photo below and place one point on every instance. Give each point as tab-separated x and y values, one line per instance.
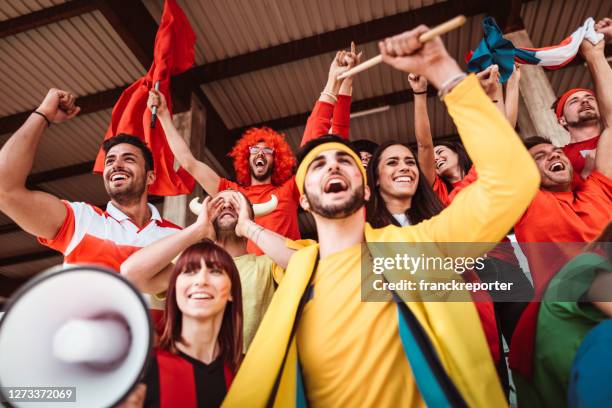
427	36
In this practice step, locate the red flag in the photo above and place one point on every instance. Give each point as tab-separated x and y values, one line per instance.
174	53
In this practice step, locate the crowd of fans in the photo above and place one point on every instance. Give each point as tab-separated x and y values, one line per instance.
256	316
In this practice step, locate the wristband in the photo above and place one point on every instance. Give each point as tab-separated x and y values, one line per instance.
419	93
44	117
331	95
449	84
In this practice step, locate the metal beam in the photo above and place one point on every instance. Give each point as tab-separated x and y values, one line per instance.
88	104
8	286
134	24
337	39
299	119
29	257
507	14
46	16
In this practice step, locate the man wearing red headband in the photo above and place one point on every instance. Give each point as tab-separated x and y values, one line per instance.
582	112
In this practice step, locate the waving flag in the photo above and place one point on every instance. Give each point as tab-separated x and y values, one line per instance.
495	49
173	54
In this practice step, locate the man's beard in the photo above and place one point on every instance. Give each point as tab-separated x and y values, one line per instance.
584	119
338	211
262	177
128	196
224	230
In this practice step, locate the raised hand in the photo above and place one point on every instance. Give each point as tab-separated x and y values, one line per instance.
489	80
406	53
204	223
157	98
418	83
241	206
59	106
604	26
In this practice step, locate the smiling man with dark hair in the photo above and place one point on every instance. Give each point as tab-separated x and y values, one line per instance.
82	232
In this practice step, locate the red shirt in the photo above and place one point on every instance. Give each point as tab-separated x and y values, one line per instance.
107	238
575	216
569	217
576	152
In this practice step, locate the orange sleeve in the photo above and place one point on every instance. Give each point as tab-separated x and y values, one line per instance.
319	122
64	235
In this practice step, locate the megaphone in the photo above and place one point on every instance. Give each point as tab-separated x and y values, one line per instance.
83	327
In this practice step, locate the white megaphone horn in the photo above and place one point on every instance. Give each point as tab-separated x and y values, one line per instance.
259	210
81	327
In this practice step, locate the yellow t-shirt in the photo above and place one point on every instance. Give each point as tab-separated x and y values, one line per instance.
257	276
350	351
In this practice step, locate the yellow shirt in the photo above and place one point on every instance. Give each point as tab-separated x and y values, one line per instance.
257	275
350	351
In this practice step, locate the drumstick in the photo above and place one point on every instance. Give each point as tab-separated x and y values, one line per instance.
427	36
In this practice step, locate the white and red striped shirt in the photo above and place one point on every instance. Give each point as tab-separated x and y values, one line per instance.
106	238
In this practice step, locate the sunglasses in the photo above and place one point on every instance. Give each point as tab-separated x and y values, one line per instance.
257	149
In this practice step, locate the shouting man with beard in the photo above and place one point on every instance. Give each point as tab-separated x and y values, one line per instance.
263	160
83	233
319	343
581	111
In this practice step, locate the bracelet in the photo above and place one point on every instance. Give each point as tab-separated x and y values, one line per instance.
331	95
449	84
44	117
419	93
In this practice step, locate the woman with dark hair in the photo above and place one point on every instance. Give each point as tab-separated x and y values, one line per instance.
449	169
452	164
200	349
400	196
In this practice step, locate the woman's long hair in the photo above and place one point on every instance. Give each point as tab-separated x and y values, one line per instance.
463	160
230	335
424	205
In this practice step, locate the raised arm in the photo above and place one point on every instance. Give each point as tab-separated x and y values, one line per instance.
149	268
271	243
201	172
507	176
512	95
489	80
422	127
24	206
600	70
341	121
320	120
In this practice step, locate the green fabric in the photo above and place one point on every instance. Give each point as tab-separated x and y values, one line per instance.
561	327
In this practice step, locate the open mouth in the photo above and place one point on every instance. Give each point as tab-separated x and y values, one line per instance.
200	296
440	163
118	177
335	185
556	167
403	179
227	214
260	163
